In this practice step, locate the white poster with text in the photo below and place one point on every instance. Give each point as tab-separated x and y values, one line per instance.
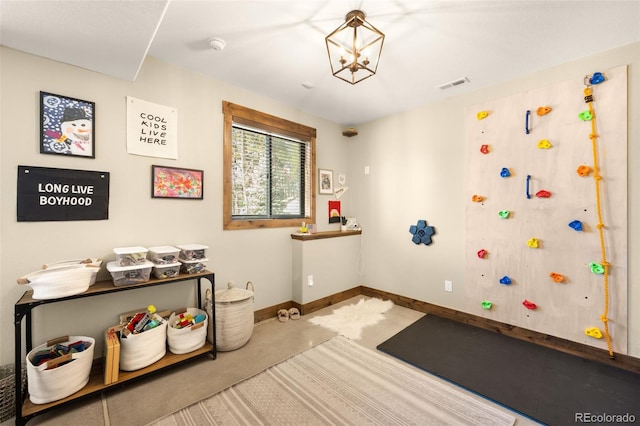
152	129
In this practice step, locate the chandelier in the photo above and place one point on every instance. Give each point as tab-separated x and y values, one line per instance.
354	48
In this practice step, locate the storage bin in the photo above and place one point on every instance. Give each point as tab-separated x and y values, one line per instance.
234	316
193	266
169	270
59	281
163	255
127	275
127	256
193	252
143	349
184	340
90	261
51	385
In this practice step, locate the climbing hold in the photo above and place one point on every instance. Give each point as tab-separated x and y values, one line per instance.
543	110
583	170
596	268
504	214
596	78
544	144
556	277
505	172
526	121
505	280
529	305
527	191
484	149
482	253
585	115
486	304
421	232
533	243
543	194
477	198
576	224
482	115
593	332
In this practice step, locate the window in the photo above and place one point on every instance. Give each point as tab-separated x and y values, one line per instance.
269	170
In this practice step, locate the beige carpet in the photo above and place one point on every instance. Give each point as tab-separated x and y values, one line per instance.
339	383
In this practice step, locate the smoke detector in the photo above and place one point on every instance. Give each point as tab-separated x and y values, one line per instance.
217	44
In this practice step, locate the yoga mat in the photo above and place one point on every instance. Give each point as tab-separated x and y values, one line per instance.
541	383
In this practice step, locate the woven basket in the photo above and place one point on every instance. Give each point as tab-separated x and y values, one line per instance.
234	317
8	390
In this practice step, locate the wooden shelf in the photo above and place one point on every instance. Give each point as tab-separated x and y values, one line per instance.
324	234
96	380
26	410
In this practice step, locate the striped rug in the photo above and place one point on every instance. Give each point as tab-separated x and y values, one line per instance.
340	383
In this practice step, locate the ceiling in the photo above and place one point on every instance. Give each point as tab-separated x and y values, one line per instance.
273	47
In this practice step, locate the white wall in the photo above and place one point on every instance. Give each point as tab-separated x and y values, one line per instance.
417	171
262	256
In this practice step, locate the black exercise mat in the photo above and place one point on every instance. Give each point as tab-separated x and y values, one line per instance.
546	385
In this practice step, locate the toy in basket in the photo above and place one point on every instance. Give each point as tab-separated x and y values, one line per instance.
187	330
59	368
143	340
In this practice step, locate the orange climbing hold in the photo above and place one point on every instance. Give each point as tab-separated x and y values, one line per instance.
543	110
558	278
583	170
477	198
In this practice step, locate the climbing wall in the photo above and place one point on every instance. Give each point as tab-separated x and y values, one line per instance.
546	222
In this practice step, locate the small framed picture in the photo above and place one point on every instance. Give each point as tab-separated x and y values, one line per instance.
325	181
67	126
171	182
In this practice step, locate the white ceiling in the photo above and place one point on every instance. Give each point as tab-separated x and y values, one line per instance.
272	47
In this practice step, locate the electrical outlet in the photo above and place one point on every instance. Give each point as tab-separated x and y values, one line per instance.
448	286
310	280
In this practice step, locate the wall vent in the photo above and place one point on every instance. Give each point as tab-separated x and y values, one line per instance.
454	83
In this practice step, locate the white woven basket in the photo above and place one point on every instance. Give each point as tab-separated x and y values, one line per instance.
60	382
185	340
140	350
234	317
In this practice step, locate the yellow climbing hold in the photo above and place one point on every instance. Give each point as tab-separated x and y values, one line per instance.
533	243
593	332
481	115
544	144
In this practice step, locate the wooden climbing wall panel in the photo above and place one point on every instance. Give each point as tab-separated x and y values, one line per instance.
500	157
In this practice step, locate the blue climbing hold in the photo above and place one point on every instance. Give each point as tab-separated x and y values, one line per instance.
505	172
421	232
576	224
597	78
505	280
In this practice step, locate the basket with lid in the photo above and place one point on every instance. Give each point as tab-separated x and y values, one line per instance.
234	316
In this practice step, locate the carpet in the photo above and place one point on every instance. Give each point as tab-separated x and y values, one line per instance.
350	320
544	384
340	382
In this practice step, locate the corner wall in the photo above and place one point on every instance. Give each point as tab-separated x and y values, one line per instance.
417	170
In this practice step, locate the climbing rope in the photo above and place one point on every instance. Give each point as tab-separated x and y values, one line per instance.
588	97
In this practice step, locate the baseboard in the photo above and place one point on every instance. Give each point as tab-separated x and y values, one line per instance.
625	362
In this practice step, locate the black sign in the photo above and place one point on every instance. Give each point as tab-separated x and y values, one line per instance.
46	194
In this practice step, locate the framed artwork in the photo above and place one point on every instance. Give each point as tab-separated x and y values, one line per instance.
171	182
67	126
325	181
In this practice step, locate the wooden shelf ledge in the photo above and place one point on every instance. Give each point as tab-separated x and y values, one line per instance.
324	234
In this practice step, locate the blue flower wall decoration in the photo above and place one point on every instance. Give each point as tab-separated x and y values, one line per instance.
421	232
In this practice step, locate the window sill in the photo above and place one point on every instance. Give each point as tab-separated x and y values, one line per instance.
324	234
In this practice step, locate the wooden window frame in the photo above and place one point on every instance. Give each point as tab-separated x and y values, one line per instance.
234	113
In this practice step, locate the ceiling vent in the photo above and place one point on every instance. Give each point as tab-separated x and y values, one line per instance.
454	83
